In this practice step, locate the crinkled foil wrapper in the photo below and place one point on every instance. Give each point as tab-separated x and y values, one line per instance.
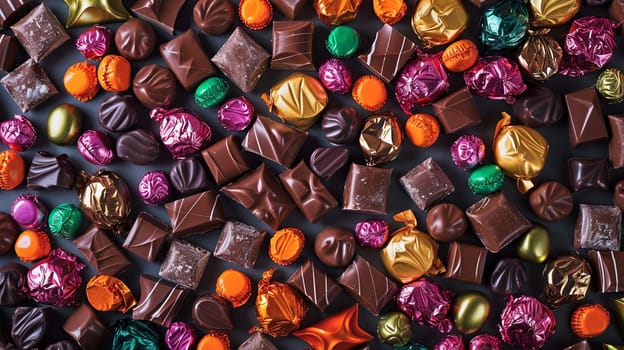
421	82
526	322
540	56
588	46
55	280
381	138
565	279
438	22
496	78
426	303
181	131
105	199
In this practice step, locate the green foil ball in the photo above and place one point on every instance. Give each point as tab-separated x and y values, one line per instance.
134	334
486	179
211	92
343	41
610	85
64	124
504	24
65	220
395	329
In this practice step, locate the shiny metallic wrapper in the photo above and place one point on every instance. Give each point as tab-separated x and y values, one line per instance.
610	85
105	199
565	279
438	22
381	138
540	55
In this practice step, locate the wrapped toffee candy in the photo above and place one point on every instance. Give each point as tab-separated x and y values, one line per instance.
105	199
553	13
421	82
181	131
588	46
56	279
438	22
526	322
496	78
18	133
427	304
540	55
381	138
504	24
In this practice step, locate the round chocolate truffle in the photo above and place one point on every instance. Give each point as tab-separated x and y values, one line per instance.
119	113
335	246
188	175
154	86
213	17
138	146
135	39
618	194
551	201
538	106
341	125
8	233
446	222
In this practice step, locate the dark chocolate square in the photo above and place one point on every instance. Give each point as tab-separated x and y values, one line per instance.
40	32
147	236
8	52
12	10
86	328
388	53
161	13
48	171
466	262
101	252
187	60
225	160
608	266
292	45
366	189
586	122
589	173
427	184
320	289
598	227
29	85
240	244
185	264
274	141
457	111
198	213
160	301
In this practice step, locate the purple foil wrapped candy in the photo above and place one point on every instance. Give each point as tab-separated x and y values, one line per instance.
468	151
28	212
18	133
588	46
180	336
421	82
335	76
372	233
96	147
55	280
496	78
450	342
154	188
94	43
526	322
485	342
426	303
181	131
236	114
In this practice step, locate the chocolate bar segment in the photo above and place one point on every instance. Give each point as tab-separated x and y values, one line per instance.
427	184
609	268
290	8
292	45
101	252
320	289
239	244
457	111
147	236
12	10
160	301
616	153
225	160
589	173
8	52
326	161
48	171
185	264
86	328
366	189
586	121
187	60
274	141
598	227
388	53
466	262
201	212
40	32
161	13
29	85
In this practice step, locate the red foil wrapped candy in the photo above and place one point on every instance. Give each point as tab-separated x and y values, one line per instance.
588	46
426	303
56	279
94	43
421	82
450	342
496	78
180	336
526	322
485	342
181	131
335	76
18	133
96	147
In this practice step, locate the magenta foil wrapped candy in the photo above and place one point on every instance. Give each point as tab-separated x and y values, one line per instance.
180	336
450	342
336	76
426	303
181	131
526	322
29	212
421	82
94	43
96	147
236	114
496	78
468	151
18	133
154	188
485	342
372	233
56	279
588	46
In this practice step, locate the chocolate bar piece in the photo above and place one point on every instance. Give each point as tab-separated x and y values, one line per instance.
185	264
147	236
366	189
187	60
188	175
47	171
225	160
320	289
598	227
40	32
160	301
427	184
201	212
292	45
589	173
616	153
586	123
326	161
290	8
388	53
160	13
12	10
457	111
466	262
609	268
239	244
212	312
274	141
87	329
8	52
29	85
101	252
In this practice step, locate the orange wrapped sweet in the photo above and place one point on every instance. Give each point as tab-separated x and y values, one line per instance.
389	11
114	73
422	129
370	93
590	320
80	81
214	341
286	246
32	245
12	170
234	286
460	55
108	293
336	12
255	14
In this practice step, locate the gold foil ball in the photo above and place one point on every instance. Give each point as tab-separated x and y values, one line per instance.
64	124
105	199
610	85
470	311
534	246
438	22
395	329
540	56
381	138
549	13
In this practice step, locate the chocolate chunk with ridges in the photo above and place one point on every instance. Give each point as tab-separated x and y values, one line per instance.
28	326
225	160
154	86
214	17
185	264
61	345
366	189
160	301
551	201
119	113
538	106
12	284
457	111
320	289
12	10
466	262
446	222
326	161
239	244
8	233
292	45
335	246
201	212
160	13
138	146
274	141
187	60
188	175
47	172
586	122
29	85
508	277
212	312
290	8
341	125
87	329
616	153
588	173
40	32
565	279
101	252
598	227
388	53
608	268
135	39
8	52
147	236
427	184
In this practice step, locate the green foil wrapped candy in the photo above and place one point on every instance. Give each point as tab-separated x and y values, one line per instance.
486	179
211	92
504	24
342	42
65	220
395	329
134	334
610	85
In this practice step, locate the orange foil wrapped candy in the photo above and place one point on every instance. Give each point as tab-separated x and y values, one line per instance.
336	12
108	293
114	73
255	14
32	245
279	308
438	22
214	341
389	11
422	129
234	286
286	245
370	93
12	170
460	55
81	81
590	320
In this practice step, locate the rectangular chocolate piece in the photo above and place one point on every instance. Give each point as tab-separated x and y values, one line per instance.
320	289
225	160
198	213
388	53
466	262
274	141
366	189
160	301
185	264
147	236
29	85
367	285
40	32
8	52
427	184
101	252
598	227
161	13
586	122
457	111
308	192
496	221
240	244
589	173
292	45
86	328
616	12
12	10
187	60
608	266
616	150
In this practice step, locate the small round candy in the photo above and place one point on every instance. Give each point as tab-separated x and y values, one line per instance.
370	93
12	170
64	124
28	211
96	147
335	246
214	341
80	81
211	92
94	42
460	55
154	188
610	85
341	125
343	41
590	320
180	336
135	39
255	14
446	222
389	12
468	151
114	73
552	201
372	233
486	179
234	286
438	22
286	246
64	220
470	311
181	131
32	245
335	76
395	329
155	86
213	17
18	133
422	129
108	293
236	114
504	24
534	246
450	342
119	112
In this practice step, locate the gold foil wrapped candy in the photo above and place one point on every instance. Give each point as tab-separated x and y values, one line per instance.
105	199
565	279
610	85
470	311
336	12
83	12
438	22
381	138
549	13
540	55
618	312
534	246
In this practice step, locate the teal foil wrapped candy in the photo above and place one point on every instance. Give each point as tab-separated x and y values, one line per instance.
504	24
134	334
65	220
486	179
414	346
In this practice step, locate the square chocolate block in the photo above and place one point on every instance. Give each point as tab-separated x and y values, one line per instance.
586	122
160	301
147	236
185	264
292	45
366	189
608	266
29	85
40	32
598	227
101	252
240	244
86	328
162	14
457	111
367	285
274	141
225	160
388	53
187	60
12	10
427	184
8	52
242	60
496	221
198	213
320	289
465	262
589	173
308	192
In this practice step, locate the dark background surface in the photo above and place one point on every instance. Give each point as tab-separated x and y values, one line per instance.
367	24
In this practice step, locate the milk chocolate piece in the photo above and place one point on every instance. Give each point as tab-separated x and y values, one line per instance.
367	285
292	45
29	326
12	284
187	60
598	227
225	160
119	113
8	233
616	153
551	201
239	244
274	141
508	277
582	345
139	146
308	192
290	8
320	289
565	279
335	246
388	53
87	329
326	161
48	171
608	268
201	212
188	175
8	52
586	123
466	262
185	264
427	184
242	60
154	86
135	39
341	125
160	13
40	32
147	236
214	17
28	85
12	10
616	12
366	189
538	106
457	111
160	301
101	252
588	173
496	221
618	194
212	312
446	222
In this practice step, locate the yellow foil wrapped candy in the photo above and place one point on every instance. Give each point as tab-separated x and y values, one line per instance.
83	12
297	99
336	12
520	151
410	253
438	22
549	13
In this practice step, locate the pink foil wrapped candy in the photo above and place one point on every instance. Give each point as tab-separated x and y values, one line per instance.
526	322
372	233
18	133
496	78
450	342
485	342
335	76
28	212
421	82
468	151
94	43
55	280
236	114
426	303
181	131
154	188
180	336
588	46
96	147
